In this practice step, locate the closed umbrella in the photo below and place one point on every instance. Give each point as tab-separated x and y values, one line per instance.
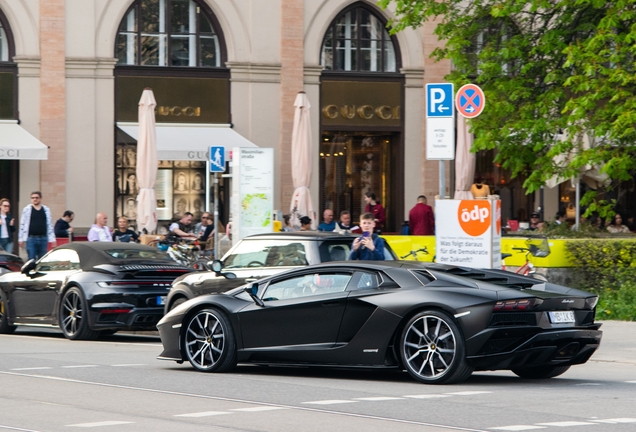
464	161
147	163
301	150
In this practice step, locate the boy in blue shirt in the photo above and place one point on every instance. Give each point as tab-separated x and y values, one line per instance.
368	246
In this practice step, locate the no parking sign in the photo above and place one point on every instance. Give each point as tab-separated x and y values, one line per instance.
470	100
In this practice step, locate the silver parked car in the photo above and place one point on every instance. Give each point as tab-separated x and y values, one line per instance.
264	255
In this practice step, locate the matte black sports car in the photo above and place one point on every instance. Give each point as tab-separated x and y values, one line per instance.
89	288
438	322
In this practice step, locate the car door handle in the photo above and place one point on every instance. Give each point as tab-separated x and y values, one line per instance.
331	303
52	284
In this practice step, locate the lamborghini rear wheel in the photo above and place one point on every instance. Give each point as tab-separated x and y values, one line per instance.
432	349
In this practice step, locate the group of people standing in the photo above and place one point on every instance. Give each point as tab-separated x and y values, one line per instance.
37	232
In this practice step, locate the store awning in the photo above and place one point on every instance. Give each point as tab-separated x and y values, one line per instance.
179	141
17	143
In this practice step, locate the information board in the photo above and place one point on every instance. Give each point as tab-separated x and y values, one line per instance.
253	191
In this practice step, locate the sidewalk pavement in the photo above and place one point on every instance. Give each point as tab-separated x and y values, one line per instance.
618	344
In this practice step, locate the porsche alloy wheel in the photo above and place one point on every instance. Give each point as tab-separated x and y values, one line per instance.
432	349
209	341
73	316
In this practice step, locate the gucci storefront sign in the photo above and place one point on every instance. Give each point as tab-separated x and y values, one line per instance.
361	103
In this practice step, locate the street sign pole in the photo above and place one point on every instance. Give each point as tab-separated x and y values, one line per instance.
216	158
440	128
216	215
442	180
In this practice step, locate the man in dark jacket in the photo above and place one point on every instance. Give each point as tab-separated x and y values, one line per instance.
63	225
421	218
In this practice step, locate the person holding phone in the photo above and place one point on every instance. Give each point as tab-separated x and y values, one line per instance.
368	246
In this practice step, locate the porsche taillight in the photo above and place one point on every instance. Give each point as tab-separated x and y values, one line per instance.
517	304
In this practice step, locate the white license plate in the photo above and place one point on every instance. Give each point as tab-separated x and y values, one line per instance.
161	300
561	317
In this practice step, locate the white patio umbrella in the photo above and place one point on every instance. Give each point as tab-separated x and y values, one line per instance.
464	161
147	163
301	150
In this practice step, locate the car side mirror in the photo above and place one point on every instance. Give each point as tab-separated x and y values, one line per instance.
252	290
28	267
216	265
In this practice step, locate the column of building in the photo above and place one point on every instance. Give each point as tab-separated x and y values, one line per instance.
292	54
53	103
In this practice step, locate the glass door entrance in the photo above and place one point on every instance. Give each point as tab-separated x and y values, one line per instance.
351	164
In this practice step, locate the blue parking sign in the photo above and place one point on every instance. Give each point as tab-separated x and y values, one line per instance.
217	159
439	100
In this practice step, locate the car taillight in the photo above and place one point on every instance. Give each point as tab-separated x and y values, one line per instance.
517	304
592	301
11	266
115	311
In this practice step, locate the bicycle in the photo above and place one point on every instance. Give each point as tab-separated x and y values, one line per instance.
184	251
528	269
414	253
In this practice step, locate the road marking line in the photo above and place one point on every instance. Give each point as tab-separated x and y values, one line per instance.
518	428
631	382
256	409
468	393
330	402
566	424
32	368
79	366
253	402
379	398
588	384
616	420
16	429
203	414
129	364
98	424
427	396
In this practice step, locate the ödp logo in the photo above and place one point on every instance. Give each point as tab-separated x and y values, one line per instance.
474	216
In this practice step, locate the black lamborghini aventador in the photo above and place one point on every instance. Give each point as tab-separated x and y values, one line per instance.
89	288
438	322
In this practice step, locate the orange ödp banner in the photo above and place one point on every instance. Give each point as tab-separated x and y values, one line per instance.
468	232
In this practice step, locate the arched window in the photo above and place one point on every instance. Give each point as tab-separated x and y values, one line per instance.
169	33
6	42
358	41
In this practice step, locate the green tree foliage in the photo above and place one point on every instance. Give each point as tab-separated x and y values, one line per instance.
559	78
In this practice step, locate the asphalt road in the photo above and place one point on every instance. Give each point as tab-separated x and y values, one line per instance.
48	383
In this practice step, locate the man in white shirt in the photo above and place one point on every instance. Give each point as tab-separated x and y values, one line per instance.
99	230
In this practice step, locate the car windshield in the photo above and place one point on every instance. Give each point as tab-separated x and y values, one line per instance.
137	254
266	253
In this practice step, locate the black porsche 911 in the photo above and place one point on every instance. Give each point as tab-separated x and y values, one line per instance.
438	322
87	289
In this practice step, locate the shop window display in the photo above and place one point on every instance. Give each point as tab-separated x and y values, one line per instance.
180	187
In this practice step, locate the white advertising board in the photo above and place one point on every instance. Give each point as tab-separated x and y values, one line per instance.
253	191
468	232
